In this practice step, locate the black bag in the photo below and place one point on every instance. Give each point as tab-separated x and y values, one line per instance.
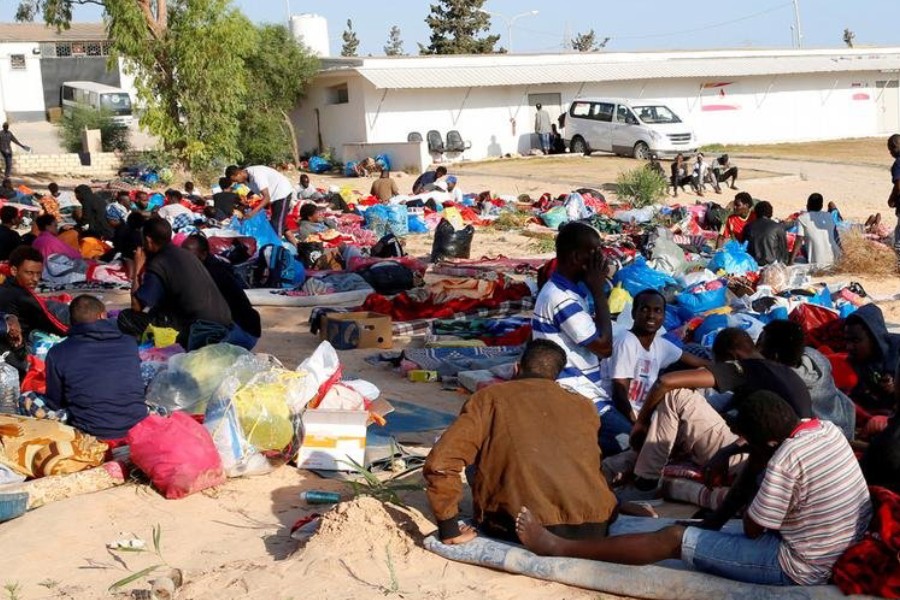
388	247
450	243
389	278
309	253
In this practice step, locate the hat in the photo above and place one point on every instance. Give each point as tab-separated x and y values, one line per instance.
116	212
451	179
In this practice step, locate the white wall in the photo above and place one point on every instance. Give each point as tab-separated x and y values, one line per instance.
338	124
21	91
499	121
404	156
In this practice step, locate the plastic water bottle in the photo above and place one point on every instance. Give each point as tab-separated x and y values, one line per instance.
320	497
9	387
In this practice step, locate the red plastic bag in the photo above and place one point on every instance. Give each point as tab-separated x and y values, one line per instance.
821	326
36	377
177	453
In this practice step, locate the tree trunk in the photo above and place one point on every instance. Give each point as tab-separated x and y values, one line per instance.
295	149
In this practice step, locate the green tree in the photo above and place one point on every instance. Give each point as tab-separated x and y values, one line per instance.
113	135
187	57
394	46
351	41
455	26
278	71
587	42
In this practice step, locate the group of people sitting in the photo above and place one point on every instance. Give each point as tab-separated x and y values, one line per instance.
593	418
701	173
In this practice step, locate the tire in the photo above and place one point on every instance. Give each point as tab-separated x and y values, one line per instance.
641	151
579	146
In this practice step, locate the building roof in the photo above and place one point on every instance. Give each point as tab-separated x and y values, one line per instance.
534	69
38	32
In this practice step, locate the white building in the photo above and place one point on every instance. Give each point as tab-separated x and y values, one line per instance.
35	60
733	96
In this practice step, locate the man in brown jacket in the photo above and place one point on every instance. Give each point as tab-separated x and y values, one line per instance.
533	444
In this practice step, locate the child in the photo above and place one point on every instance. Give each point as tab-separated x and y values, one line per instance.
95	374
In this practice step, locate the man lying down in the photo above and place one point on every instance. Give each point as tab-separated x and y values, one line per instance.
812	505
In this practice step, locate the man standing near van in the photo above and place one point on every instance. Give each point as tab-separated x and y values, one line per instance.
542	127
893	144
7	139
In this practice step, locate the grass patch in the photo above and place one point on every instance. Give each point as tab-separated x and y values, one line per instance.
512	221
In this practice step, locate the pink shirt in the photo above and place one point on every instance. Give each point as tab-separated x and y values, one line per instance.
47	244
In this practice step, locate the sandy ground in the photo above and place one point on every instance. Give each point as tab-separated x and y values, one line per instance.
233	542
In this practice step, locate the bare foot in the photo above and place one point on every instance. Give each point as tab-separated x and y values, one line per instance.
534	536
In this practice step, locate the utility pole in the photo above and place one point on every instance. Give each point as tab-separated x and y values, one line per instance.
797	23
287	8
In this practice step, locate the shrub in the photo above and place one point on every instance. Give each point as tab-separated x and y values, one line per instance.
641	186
113	136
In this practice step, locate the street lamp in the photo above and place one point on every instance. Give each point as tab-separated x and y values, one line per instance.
509	22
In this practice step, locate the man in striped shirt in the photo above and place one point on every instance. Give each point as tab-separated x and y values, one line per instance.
562	315
812	505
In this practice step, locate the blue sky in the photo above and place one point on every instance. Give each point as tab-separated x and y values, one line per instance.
635	25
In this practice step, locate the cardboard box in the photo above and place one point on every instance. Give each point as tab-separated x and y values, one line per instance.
348	331
331	436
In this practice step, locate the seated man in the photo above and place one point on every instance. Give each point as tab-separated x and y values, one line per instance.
783	341
454	190
126	238
385	187
69	207
676	419
639	354
18	297
874	354
532	444
812	505
734	226
562	315
818	232
724	170
9	237
427	179
47	242
766	238
176	291
95	374
312	222
177	214
245	316
306	191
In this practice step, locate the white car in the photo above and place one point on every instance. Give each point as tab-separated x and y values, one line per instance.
640	129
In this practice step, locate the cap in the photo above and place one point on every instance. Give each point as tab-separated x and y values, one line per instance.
451	179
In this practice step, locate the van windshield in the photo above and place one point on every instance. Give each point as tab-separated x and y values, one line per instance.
117	104
654	115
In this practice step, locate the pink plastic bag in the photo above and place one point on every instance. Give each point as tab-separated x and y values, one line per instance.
177	453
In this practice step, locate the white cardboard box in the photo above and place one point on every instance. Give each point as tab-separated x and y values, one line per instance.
331	436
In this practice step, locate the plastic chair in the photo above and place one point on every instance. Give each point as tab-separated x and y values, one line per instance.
414	136
435	142
455	142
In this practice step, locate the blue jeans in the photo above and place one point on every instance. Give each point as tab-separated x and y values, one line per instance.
544	139
612	425
239	337
734	556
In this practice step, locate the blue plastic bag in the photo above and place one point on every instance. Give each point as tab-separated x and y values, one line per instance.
156	201
257	227
693	304
555	217
398	219
416	225
317	164
733	259
349	169
823	298
638	277
388	219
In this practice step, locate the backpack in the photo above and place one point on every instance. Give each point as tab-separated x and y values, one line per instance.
388	247
389	278
274	268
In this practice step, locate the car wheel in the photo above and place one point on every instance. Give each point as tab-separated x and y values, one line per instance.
579	146
641	151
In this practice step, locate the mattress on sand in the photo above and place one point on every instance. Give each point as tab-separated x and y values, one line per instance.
277	297
669	580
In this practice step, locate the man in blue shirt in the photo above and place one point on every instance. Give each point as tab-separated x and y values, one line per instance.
893	145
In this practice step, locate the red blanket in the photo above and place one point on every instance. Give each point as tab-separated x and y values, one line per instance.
404	308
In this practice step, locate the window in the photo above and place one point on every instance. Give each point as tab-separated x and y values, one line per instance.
654	115
68	93
580	109
339	94
603	112
17	62
69	49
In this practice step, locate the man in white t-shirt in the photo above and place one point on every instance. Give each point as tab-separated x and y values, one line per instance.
177	214
817	230
275	189
640	354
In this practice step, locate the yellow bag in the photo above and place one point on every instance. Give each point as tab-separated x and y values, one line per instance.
162	337
618	299
453	215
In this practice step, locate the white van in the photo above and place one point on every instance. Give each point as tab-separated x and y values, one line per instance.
98	96
637	129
